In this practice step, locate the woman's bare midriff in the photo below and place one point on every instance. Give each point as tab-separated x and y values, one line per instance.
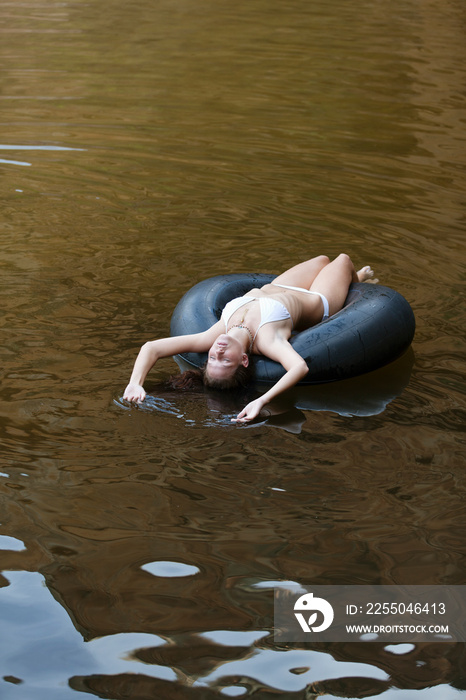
306	309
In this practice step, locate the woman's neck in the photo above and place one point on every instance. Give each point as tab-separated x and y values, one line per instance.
243	335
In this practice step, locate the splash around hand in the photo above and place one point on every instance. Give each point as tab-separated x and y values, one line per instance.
134	393
250	411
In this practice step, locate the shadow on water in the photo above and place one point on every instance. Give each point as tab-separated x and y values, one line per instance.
366	395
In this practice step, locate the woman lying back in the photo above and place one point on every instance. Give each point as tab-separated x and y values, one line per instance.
259	322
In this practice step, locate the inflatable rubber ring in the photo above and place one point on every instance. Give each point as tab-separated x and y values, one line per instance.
374	327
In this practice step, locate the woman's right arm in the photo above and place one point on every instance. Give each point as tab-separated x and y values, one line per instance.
166	347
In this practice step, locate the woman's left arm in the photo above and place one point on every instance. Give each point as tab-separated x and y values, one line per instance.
296	369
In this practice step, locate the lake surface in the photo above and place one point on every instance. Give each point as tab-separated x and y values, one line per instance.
146	146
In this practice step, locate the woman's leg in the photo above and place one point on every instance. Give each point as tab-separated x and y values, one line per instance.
303	274
334	279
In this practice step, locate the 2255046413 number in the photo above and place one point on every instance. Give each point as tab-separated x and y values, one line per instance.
405	608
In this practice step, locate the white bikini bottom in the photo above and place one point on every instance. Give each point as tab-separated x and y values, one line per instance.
308	291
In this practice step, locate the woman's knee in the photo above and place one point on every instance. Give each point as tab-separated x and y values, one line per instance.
321	260
345	261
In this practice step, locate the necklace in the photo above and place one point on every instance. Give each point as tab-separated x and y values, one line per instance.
251	338
241	325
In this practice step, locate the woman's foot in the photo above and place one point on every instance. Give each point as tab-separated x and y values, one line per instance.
366	274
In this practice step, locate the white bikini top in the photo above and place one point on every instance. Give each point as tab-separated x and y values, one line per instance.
271	310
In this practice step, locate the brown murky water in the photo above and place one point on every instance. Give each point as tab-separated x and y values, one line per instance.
146	146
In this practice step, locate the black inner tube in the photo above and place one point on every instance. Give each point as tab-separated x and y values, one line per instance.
374	327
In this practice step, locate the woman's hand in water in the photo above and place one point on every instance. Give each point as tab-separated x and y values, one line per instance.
250	412
134	393
296	369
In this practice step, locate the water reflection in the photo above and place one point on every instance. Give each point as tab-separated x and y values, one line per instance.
424	667
198	665
170	142
193	408
239	518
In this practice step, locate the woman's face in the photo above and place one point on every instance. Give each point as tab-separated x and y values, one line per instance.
225	356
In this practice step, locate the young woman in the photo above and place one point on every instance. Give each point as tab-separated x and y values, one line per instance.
259	322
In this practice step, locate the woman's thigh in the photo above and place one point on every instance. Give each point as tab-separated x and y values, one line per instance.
303	274
333	282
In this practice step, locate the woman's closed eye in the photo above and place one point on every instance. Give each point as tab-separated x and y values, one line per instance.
225	360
